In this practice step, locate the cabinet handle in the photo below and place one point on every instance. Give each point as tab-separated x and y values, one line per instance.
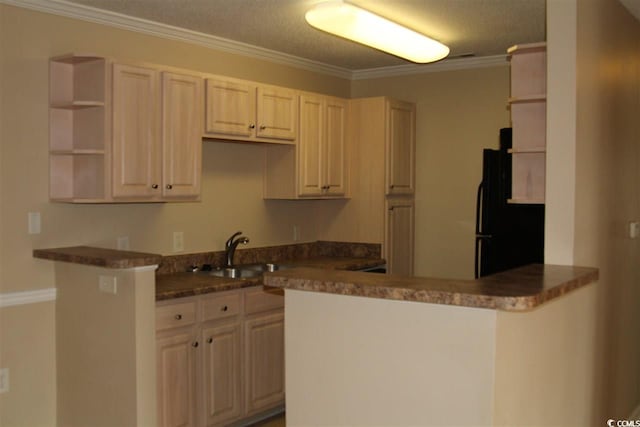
392	186
178	316
263	127
210	340
195	344
224	308
154	186
391	209
169	186
252	126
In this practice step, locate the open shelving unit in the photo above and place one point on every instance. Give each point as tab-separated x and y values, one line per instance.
77	128
528	103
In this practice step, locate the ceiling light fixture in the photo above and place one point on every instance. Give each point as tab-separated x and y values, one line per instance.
353	23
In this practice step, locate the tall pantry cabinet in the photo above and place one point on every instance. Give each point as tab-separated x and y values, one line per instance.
382	171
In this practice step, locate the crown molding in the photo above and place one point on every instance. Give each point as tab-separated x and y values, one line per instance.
444	65
99	16
10	299
104	17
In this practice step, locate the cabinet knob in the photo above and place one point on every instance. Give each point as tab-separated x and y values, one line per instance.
210	340
392	186
252	126
169	186
195	344
224	308
178	316
262	127
154	186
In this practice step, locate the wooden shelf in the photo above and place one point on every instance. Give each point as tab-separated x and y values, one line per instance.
77	105
76	152
527	150
528	98
526	201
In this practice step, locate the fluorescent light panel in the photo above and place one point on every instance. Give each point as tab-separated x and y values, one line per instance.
351	22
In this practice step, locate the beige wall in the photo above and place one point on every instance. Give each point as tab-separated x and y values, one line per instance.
458	114
356	361
231	188
608	191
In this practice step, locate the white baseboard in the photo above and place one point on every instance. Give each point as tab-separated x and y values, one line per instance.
9	299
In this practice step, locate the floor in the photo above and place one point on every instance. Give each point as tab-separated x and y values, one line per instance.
275	421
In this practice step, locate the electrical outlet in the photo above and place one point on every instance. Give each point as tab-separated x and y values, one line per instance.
4	380
33	218
108	284
123	243
178	241
296	233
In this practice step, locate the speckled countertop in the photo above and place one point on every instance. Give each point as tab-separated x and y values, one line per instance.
178	285
100	257
519	289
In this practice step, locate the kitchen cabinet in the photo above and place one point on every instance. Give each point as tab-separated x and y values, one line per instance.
528	119
123	132
381	134
399	232
224	354
247	111
264	351
400	147
156	143
317	166
176	352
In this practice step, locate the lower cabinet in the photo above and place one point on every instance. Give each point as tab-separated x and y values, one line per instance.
220	357
399	230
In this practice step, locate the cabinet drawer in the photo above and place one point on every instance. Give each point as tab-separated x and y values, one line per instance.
175	315
220	306
261	299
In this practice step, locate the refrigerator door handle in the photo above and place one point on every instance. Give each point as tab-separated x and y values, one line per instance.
478	249
478	206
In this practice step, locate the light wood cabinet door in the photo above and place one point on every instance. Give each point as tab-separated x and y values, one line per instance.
311	146
221	373
264	362
401	143
335	146
176	376
230	108
277	113
321	146
399	236
182	101
136	148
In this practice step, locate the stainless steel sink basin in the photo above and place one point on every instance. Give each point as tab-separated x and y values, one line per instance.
244	271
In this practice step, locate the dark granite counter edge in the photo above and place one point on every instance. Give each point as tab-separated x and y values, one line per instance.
99	257
432	294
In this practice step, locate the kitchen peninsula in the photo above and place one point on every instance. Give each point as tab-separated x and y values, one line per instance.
388	350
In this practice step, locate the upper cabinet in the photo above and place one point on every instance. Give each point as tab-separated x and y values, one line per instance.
400	147
317	166
242	110
138	140
528	120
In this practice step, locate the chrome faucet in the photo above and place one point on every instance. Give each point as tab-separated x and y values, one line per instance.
231	245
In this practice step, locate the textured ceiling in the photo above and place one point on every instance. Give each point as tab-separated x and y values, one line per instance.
478	27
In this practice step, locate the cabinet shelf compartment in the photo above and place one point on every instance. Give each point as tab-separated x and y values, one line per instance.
528	177
529	122
77	79
528	69
76	129
77	177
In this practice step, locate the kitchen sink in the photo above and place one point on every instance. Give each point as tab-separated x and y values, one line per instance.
245	271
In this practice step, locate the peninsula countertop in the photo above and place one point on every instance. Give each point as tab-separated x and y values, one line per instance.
519	289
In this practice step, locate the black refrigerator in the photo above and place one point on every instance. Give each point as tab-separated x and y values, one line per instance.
507	235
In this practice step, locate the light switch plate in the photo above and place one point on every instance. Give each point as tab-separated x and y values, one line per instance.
123	243
33	219
4	380
178	241
108	284
634	229
296	233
